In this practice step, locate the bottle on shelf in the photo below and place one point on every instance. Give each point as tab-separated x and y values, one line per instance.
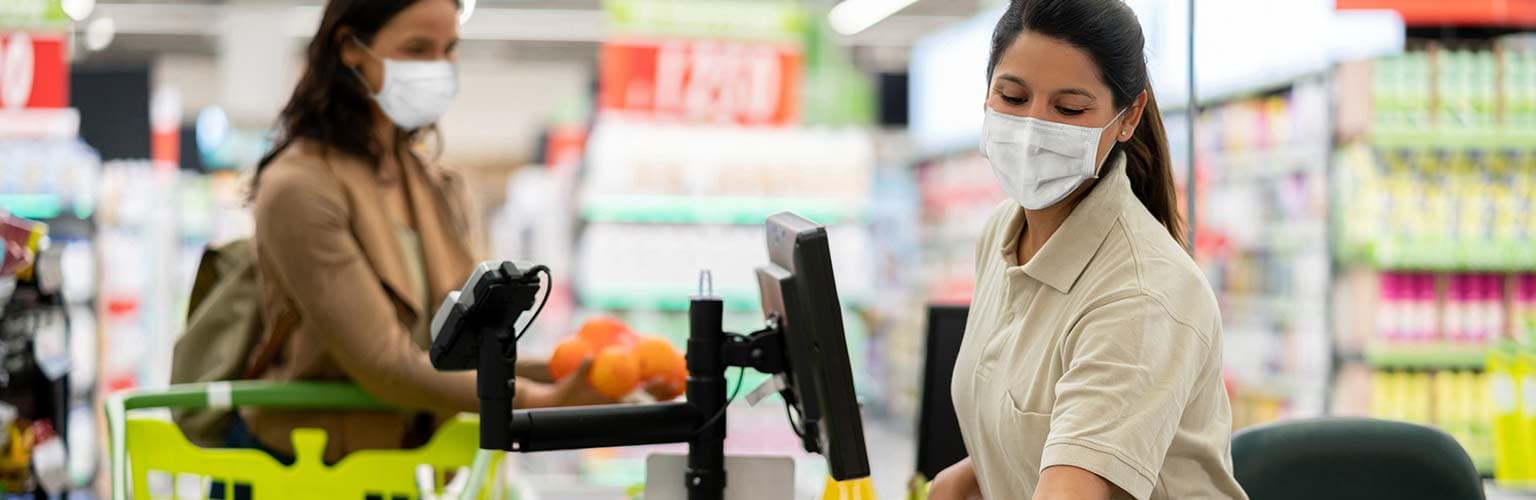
1493	309
1389	314
1457	308
1524	316
1424	315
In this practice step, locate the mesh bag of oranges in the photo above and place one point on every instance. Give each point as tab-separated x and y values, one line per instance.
622	361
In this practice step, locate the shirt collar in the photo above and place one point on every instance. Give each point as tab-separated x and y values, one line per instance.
1069	250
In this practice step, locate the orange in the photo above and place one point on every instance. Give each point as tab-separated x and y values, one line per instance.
673	384
615	372
656	357
568	357
604	331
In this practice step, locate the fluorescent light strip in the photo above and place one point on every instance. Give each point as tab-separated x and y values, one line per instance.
853	16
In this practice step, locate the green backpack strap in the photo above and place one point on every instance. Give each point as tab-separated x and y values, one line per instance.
224	325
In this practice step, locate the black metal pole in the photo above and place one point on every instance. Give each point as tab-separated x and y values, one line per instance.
578	428
706	393
494	385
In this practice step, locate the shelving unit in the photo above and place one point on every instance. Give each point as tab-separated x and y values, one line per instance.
47	174
1433	231
1260	184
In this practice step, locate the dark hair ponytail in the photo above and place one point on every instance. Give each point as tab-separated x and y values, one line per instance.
1150	168
1109	32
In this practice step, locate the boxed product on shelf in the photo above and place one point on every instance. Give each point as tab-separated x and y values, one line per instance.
1523	314
1429	209
1457	402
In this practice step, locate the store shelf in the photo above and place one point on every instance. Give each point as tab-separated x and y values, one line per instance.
1289	237
41	206
714	209
1268	305
1454	138
1249	166
1427	355
1447	256
1281	388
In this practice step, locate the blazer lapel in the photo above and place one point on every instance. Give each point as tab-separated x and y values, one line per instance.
443	232
379	238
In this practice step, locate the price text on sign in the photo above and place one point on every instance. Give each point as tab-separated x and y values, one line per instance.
703	81
33	71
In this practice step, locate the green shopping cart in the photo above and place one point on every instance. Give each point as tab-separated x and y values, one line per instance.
150	455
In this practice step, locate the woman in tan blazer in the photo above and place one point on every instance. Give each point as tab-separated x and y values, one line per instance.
359	235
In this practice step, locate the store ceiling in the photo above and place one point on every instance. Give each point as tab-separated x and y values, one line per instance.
569	21
527	30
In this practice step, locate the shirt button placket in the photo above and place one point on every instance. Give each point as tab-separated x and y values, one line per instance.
1021	290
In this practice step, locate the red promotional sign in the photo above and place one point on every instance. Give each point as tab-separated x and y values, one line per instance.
1495	13
702	81
34	71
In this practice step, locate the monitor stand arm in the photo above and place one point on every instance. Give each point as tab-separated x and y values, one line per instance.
700	422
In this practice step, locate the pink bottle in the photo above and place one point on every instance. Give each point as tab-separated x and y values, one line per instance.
1457	308
1525	308
1389	309
1493	307
1426	320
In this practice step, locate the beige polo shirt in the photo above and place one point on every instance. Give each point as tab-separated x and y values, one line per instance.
1102	352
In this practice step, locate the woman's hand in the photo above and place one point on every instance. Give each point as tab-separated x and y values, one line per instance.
535	369
957	482
573	390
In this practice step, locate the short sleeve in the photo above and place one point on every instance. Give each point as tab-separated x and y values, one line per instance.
1131	368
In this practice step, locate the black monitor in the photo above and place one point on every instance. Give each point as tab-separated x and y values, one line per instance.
800	294
939	444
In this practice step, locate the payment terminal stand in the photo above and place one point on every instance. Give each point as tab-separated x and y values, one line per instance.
802	340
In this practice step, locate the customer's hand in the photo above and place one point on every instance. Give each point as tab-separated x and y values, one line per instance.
957	482
573	390
535	369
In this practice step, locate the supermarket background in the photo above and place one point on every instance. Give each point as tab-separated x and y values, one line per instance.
1363	189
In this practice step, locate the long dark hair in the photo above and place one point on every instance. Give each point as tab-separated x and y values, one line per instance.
1109	32
331	105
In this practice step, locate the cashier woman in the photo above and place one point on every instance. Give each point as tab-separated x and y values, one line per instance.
1091	364
359	234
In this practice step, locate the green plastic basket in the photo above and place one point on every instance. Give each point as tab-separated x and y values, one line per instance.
153	458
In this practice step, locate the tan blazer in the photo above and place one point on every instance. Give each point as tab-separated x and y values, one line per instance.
338	295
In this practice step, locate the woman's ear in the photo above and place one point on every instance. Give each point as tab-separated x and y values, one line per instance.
351	54
1132	118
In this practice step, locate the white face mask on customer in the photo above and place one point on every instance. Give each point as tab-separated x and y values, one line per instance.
1040	162
415	93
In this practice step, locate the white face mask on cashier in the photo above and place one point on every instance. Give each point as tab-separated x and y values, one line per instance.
415	93
1040	162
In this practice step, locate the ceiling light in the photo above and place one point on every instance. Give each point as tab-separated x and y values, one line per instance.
79	9
853	16
99	33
